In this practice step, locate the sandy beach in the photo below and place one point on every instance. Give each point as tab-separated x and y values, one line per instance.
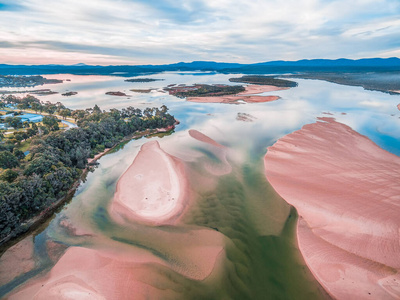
128	272
17	260
252	89
153	189
347	193
233	99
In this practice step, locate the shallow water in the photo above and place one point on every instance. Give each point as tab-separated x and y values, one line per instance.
262	260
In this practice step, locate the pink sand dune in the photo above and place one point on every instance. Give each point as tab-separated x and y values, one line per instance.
153	189
347	193
233	99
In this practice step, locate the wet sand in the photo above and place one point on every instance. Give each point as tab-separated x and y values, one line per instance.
127	272
17	260
258	89
153	189
233	99
347	193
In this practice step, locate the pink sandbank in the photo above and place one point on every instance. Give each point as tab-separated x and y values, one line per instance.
347	193
153	189
127	272
203	138
17	260
258	89
233	99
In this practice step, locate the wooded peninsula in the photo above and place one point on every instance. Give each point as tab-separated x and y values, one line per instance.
55	159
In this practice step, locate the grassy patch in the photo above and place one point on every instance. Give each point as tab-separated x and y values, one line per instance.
24	146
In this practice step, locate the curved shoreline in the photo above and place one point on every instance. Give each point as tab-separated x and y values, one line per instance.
153	189
345	189
32	224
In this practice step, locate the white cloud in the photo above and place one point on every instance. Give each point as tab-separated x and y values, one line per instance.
167	31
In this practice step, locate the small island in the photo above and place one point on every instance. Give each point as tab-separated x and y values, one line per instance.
67	94
264	80
204	90
221	93
143	80
120	94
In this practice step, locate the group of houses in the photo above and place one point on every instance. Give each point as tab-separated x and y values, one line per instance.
34	118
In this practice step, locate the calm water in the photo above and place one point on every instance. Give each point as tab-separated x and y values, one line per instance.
262	259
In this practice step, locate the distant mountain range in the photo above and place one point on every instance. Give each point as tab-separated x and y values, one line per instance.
272	67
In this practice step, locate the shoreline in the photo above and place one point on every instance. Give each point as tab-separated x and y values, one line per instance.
34	223
152	190
250	95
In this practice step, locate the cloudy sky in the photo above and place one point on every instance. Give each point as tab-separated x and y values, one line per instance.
166	31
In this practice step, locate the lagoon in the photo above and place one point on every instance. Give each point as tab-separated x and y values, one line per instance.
261	259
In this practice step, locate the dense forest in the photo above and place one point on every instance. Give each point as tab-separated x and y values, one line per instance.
31	183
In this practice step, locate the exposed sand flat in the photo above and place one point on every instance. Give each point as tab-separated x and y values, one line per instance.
153	188
233	99
17	260
398	106
128	272
257	89
347	193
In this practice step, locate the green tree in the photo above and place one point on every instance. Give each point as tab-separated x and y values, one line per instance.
14	122
36	106
96	109
8	175
8	160
18	153
65	113
51	123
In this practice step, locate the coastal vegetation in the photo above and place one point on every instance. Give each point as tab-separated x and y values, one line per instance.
204	90
30	184
120	94
142	80
25	81
264	80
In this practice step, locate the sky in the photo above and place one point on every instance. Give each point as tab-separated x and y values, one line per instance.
136	32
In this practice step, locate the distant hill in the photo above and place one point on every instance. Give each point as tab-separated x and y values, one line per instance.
278	67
